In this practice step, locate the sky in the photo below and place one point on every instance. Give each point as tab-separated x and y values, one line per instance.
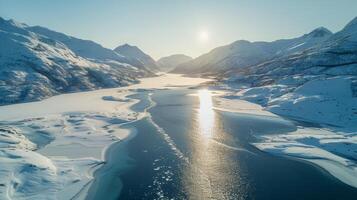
165	27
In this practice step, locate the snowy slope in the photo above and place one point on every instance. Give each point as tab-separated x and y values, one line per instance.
170	62
336	56
34	67
88	49
84	48
242	53
328	101
317	85
137	57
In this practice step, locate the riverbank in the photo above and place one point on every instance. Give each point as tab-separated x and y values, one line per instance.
330	138
187	150
52	147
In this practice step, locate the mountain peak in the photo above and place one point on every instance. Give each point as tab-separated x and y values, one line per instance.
129	50
10	22
320	32
136	54
241	42
352	24
13	26
127	47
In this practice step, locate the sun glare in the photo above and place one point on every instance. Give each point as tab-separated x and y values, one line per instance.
205	112
203	36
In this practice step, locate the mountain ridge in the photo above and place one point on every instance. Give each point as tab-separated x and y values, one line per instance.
167	63
35	66
243	53
137	56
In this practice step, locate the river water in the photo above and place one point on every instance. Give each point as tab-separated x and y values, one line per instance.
187	150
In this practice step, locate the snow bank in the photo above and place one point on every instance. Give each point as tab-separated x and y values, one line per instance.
329	102
325	100
50	149
232	104
334	152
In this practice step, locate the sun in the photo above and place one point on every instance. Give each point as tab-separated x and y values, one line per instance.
203	36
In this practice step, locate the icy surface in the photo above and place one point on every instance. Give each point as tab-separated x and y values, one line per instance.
334	152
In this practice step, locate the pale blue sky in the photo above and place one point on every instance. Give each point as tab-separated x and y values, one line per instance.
164	27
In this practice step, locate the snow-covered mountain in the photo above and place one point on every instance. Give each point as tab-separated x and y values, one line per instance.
242	53
89	49
317	84
336	55
312	77
36	65
84	48
170	62
137	56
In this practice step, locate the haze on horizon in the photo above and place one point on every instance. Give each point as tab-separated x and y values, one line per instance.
162	28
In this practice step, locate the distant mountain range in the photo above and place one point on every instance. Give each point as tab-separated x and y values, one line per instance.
312	77
319	51
168	63
316	55
242	53
331	55
37	62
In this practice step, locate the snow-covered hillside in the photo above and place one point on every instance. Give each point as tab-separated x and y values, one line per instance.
35	66
242	53
168	63
318	86
92	50
137	56
84	48
313	77
335	58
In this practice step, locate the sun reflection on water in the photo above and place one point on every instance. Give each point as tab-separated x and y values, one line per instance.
206	113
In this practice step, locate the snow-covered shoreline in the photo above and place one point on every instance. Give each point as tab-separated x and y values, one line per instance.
51	148
331	141
69	147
